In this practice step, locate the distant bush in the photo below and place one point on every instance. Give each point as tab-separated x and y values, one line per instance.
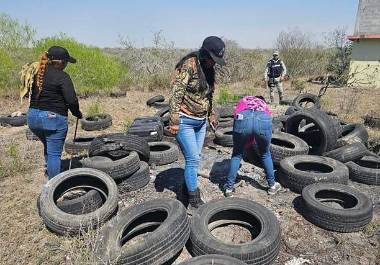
94	72
15	42
301	55
225	96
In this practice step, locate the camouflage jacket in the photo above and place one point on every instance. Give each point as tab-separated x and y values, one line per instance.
186	95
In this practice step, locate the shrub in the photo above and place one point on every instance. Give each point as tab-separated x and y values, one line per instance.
94	72
15	40
225	96
94	109
340	55
302	56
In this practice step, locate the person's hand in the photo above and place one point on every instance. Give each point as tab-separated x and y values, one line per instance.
173	129
213	122
80	115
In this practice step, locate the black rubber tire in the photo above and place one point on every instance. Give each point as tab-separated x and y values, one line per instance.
225	122
152	100
87	203
163	113
323	139
348	153
119	145
225	111
285	145
223	137
151	132
30	135
136	181
290	110
81	145
262	250
297	172
159	105
357	209
168	133
118	169
353	133
146	119
366	170
213	259
278	123
307	97
103	121
371	121
287	102
163	153
157	245
16	121
63	223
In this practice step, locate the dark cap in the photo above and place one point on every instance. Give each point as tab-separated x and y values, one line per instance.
215	47
60	53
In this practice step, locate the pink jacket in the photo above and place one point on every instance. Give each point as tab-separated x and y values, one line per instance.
256	104
251	102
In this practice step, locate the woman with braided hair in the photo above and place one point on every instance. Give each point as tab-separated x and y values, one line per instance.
51	96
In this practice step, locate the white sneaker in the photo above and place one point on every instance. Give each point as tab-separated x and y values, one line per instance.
274	189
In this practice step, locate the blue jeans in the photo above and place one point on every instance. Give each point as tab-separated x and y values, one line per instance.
51	129
259	125
191	136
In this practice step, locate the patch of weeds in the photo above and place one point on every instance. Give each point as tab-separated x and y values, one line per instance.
372	228
299	85
94	108
126	124
13	163
225	96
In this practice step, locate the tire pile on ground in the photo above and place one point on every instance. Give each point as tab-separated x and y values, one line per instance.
313	156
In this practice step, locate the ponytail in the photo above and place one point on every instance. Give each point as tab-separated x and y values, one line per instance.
44	61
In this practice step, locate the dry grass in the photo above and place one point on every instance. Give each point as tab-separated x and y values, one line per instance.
23	237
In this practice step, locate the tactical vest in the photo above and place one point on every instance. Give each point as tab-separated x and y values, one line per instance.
275	68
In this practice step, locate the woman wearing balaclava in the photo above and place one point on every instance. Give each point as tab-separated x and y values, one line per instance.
191	106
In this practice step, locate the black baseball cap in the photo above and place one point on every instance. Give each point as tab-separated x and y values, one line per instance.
215	47
60	53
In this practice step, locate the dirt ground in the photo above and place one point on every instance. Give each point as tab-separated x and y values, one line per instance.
25	240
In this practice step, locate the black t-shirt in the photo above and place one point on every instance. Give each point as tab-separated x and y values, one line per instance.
57	95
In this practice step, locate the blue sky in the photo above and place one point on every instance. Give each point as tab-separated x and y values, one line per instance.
253	24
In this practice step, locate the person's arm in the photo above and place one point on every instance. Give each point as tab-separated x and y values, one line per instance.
179	85
266	73
70	96
211	112
283	69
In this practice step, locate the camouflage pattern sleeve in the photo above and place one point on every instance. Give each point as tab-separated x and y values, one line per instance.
179	84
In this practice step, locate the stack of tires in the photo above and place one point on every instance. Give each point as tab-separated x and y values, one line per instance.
124	157
337	153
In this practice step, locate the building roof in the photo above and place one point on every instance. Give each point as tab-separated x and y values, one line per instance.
367	20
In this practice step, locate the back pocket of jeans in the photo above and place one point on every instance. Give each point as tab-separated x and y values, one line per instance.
50	122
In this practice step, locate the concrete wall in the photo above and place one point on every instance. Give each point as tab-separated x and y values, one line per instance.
365	63
368	17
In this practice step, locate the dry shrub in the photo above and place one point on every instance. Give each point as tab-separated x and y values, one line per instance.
302	56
